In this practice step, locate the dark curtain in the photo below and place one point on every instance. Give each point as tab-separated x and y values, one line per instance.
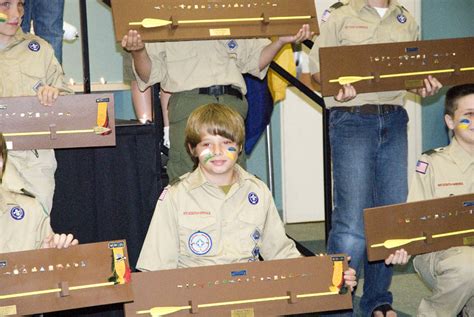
110	193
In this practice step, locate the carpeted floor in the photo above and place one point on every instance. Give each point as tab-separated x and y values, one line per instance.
407	288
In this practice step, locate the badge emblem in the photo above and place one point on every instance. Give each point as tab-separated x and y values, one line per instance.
200	243
232	44
34	46
256	235
401	18
253	198
17	213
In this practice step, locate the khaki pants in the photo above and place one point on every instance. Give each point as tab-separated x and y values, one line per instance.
36	170
450	275
181	105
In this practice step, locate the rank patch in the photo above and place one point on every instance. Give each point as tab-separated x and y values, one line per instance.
200	243
34	46
253	198
422	167
17	213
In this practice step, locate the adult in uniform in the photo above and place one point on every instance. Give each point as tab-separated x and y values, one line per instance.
368	137
440	173
198	73
24	223
29	68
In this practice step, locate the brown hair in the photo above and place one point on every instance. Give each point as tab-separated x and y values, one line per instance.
215	119
453	95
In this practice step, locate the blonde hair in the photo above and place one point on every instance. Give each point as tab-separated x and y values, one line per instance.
215	119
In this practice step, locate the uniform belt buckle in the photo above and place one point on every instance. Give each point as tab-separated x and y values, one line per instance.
216	90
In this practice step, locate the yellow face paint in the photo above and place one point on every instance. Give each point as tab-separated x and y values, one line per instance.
231	153
464	124
3	17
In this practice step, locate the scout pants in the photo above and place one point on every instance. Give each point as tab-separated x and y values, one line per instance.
450	275
181	105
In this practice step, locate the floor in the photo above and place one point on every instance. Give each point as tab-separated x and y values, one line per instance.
407	288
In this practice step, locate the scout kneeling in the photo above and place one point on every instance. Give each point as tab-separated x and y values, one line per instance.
446	172
24	223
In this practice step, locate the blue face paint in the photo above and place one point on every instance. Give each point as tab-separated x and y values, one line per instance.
464	123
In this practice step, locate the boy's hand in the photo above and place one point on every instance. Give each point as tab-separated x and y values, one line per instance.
132	41
400	257
350	278
303	34
431	87
59	241
346	93
47	95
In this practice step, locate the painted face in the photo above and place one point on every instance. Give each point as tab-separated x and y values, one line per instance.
217	155
463	121
11	12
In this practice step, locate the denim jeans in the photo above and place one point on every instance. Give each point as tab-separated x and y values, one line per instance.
369	157
47	17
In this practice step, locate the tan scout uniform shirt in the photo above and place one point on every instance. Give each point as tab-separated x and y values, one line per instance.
442	173
24	224
182	66
26	63
355	23
196	224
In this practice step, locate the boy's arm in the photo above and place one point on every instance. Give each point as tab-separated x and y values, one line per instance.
272	49
161	247
133	43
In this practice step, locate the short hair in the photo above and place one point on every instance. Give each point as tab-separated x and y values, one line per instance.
3	153
215	119
453	95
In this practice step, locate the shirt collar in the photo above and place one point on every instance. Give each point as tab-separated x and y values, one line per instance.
460	156
19	37
358	5
197	179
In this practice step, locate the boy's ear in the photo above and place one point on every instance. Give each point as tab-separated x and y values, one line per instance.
191	150
449	121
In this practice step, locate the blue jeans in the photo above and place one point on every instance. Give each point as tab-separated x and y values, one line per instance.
47	17
369	157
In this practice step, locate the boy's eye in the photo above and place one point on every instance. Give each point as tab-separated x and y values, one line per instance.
5	5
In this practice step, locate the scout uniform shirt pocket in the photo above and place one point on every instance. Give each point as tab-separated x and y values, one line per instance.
32	78
198	234
251	225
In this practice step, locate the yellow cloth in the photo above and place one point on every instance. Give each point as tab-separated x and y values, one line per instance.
276	83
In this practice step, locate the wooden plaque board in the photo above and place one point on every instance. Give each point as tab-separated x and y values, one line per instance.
126	11
234	282
69	123
450	60
424	220
56	273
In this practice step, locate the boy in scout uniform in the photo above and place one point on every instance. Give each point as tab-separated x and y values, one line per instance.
201	72
445	172
368	138
24	223
28	68
219	213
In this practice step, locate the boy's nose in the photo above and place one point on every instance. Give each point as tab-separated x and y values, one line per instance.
217	149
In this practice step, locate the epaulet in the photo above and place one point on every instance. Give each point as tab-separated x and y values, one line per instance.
327	13
432	151
27	193
403	8
175	181
337	5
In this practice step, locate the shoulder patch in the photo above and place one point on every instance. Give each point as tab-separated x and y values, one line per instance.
337	5
432	151
422	167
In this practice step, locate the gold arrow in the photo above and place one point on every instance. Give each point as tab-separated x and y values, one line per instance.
161	311
393	243
155	23
96	130
55	290
353	79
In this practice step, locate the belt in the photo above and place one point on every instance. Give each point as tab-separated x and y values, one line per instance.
368	109
219	90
